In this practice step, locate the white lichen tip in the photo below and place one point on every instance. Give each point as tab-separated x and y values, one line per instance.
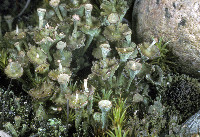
113	18
10	60
8	17
105	105
85	85
61	45
127	33
76	100
41	10
133	65
17	45
88	7
76	17
63	78
17	30
54	3
37	55
104	45
60	66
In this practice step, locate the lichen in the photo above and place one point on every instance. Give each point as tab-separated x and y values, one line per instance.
69	73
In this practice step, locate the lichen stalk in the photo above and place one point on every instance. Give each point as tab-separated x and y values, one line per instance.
120	77
41	13
9	20
17	103
132	76
46	44
91	90
60	46
17	121
105	49
78	117
58	13
89	40
105	106
11	128
63	80
134	68
17	30
88	16
78	102
63	10
76	18
128	36
55	5
60	66
104	119
17	46
90	103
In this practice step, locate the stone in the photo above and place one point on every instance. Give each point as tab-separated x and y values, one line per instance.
191	125
176	21
4	134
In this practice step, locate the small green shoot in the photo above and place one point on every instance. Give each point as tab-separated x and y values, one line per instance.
163	60
3	59
118	119
105	95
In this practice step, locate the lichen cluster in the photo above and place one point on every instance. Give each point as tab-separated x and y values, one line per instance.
81	74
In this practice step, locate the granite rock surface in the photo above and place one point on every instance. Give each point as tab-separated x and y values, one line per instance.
177	21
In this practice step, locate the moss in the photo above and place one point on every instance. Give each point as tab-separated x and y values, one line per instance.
184	95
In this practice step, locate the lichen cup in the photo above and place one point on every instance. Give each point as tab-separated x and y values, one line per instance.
105	106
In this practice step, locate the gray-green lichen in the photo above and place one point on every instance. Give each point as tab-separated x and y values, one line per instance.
71	70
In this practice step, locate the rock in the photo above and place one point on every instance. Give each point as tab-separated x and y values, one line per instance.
4	134
176	21
191	126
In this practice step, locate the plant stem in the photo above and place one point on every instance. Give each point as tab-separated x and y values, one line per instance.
58	13
132	76
87	43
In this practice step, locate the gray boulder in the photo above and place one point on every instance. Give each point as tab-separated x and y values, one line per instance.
177	21
192	125
4	134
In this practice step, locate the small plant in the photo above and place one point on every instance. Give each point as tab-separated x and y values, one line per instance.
118	132
3	59
118	119
105	95
163	60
